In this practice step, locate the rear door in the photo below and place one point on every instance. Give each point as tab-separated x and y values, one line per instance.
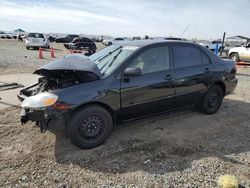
193	69
153	91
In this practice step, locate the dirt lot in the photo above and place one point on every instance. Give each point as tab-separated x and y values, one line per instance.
182	149
14	58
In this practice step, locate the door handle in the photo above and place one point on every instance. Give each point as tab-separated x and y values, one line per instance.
207	70
168	77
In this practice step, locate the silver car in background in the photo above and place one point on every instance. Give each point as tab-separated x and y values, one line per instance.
36	40
109	42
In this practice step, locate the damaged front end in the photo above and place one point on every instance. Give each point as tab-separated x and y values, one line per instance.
35	108
41	102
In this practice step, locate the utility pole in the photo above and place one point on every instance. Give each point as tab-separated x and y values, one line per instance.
223	43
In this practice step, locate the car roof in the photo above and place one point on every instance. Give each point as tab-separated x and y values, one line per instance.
142	43
35	33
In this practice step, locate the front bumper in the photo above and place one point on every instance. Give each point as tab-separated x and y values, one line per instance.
45	119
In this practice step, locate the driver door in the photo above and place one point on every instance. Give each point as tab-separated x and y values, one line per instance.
151	92
245	54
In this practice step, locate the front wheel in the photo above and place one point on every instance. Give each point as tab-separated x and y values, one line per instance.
235	57
90	126
212	100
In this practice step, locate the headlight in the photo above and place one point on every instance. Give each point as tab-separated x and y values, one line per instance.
41	100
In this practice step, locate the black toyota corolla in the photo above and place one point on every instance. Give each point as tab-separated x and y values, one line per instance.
87	96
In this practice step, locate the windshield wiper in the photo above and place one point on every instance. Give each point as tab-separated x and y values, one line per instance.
111	62
108	54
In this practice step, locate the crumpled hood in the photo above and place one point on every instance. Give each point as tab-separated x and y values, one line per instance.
75	62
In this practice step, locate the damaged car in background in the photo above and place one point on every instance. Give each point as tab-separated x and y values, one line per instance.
82	43
87	96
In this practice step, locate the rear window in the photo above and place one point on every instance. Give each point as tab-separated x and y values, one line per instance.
36	35
72	36
119	39
186	56
85	40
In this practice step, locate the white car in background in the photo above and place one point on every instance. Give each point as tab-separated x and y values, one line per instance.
205	43
5	35
36	40
109	42
240	53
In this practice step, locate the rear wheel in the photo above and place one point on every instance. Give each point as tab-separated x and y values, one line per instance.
212	100
235	57
90	127
27	47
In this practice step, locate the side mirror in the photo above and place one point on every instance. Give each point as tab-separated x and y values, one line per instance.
135	71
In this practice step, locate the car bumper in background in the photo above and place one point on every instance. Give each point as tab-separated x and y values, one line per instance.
32	44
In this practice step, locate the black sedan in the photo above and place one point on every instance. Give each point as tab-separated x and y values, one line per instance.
82	43
88	96
66	39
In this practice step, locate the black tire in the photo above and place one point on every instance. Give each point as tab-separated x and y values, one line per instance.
235	57
212	100
110	43
90	127
27	47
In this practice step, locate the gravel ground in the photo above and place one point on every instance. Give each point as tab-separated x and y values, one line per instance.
15	58
181	149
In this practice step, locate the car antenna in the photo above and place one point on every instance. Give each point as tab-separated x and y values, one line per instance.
184	31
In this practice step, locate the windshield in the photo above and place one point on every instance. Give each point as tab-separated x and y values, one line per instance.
109	58
36	35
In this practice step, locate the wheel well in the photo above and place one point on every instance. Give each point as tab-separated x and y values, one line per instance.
222	85
233	53
105	106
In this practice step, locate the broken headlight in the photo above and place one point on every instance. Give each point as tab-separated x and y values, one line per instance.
40	100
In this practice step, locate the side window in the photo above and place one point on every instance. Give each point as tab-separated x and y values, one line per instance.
153	60
186	56
205	58
75	40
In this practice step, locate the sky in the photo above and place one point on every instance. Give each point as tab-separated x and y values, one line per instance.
204	19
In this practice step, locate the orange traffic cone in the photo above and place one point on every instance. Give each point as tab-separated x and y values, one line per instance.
40	53
52	53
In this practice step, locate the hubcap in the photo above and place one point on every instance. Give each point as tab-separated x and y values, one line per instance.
91	127
234	58
212	99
